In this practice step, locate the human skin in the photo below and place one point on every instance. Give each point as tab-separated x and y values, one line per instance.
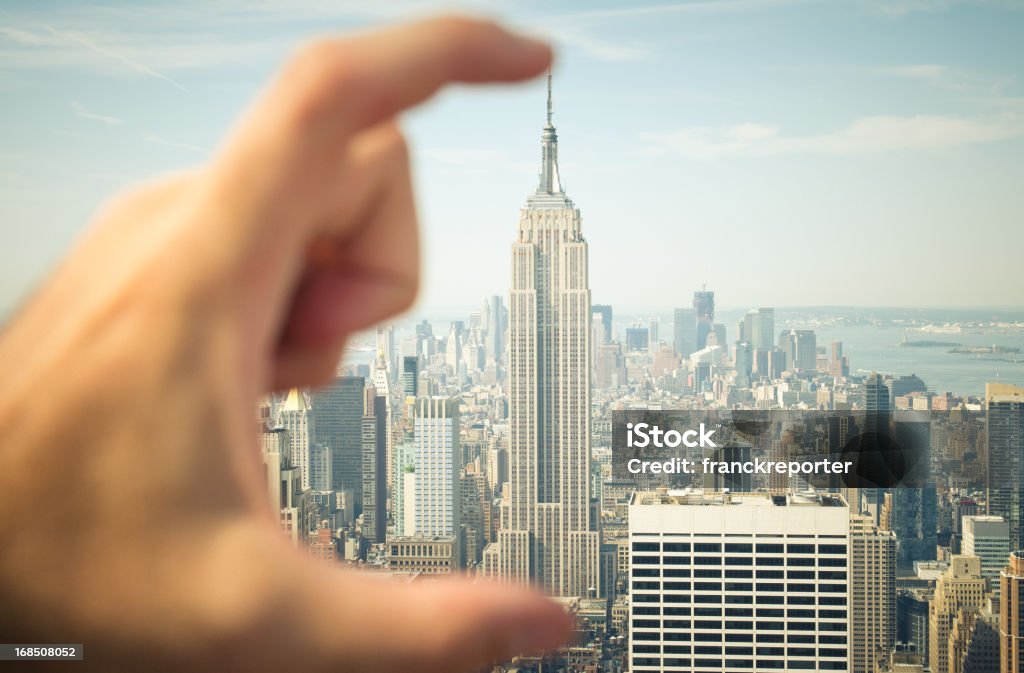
133	513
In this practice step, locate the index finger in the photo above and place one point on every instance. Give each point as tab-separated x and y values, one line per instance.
356	82
333	88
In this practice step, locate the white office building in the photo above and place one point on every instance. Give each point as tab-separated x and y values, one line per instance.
988	538
738	583
436	488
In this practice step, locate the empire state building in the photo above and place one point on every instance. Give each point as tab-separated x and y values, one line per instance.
548	532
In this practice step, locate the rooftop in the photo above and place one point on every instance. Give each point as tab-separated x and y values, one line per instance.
711	498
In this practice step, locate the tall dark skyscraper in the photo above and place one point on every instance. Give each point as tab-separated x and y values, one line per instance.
685	331
876	397
704	307
914	506
877	419
337	412
410	375
637	338
914	520
374	467
1004	430
548	534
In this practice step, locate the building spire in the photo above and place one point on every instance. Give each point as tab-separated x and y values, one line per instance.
549	96
549	182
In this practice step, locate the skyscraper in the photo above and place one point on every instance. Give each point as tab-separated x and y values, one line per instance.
718	334
637	338
837	363
1004	430
877	406
297	420
758	327
474	504
806	350
762	328
403	497
988	538
685	332
436	499
704	307
375	476
914	510
605	311
724	583
743	362
284	483
381	383
410	375
497	322
337	412
1011	615
872	593
959	589
548	531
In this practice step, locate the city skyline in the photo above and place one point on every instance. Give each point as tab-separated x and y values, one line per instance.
703	124
858	503
663	569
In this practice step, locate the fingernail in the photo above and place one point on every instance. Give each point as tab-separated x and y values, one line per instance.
531	46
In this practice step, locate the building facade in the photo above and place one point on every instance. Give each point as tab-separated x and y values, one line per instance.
988	538
959	589
437	490
375	476
1011	615
872	593
725	583
1004	430
548	531
337	412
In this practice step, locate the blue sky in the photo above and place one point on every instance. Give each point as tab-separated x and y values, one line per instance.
785	152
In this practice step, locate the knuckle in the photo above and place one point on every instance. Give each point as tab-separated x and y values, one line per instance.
314	54
395	146
321	71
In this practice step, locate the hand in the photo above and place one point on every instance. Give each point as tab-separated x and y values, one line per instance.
132	506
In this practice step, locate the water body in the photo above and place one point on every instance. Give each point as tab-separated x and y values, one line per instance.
871	338
871	348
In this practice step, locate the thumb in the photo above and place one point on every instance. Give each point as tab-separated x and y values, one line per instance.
444	625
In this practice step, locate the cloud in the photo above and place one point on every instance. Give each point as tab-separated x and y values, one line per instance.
52	38
965	81
866	135
158	140
599	49
132	64
84	113
932	72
